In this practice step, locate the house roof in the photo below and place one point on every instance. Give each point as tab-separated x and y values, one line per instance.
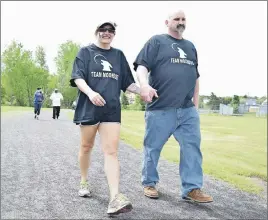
250	101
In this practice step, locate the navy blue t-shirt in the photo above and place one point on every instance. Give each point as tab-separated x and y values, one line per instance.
172	64
106	72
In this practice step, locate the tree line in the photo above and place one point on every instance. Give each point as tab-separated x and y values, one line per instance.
211	102
22	71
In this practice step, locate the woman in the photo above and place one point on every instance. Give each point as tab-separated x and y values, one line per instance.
38	100
101	72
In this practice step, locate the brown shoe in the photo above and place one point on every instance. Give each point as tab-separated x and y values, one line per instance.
150	192
197	195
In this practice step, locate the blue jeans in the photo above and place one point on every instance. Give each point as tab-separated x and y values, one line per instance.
37	107
184	125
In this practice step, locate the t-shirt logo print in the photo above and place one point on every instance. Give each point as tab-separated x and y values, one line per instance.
100	59
176	47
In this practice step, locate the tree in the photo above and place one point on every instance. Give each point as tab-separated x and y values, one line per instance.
201	101
235	103
139	103
226	100
64	63
236	100
40	57
261	100
124	100
21	75
214	102
17	63
43	72
3	94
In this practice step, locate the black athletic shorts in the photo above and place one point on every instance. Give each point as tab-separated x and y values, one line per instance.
108	116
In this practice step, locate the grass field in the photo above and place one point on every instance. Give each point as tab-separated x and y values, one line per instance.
14	108
18	109
234	148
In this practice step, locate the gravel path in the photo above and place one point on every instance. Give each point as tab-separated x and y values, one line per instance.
40	179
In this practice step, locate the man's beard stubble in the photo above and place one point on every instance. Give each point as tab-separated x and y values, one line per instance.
180	28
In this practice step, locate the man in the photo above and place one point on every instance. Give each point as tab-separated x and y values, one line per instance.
173	82
38	100
56	98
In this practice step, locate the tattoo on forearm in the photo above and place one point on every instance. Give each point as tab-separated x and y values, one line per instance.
134	88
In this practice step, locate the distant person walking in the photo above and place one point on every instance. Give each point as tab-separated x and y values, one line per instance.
56	98
38	101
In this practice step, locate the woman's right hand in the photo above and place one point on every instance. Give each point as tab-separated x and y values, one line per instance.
96	99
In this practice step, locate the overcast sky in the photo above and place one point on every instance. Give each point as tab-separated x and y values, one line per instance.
230	37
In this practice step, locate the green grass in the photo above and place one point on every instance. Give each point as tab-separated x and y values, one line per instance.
14	108
234	147
18	109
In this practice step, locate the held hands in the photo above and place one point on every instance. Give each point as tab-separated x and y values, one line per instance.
147	93
96	98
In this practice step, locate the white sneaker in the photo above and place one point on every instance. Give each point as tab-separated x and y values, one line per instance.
120	204
84	190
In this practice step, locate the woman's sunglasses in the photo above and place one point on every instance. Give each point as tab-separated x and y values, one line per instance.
111	31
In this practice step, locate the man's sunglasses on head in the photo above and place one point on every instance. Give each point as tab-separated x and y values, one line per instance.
111	31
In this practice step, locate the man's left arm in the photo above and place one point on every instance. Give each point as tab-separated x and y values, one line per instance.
134	88
196	94
196	90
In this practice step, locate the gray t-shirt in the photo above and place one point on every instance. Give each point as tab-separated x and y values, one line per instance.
106	72
172	64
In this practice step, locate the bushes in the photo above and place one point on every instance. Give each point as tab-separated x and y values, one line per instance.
136	107
138	104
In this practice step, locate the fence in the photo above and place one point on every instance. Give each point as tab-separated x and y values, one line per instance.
208	111
262	111
226	110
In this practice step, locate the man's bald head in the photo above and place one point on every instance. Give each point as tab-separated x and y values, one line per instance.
179	13
176	22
